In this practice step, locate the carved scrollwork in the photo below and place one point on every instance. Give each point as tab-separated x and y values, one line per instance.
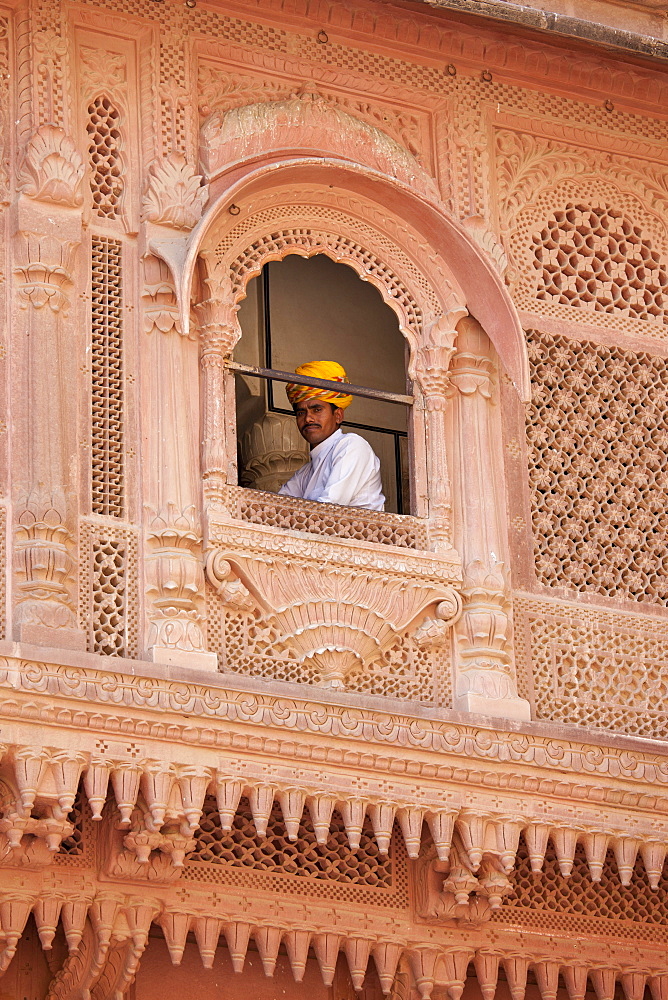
335	617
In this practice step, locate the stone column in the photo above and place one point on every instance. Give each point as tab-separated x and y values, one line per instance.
47	350
176	607
485	671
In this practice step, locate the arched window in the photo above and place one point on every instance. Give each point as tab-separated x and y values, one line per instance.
314	309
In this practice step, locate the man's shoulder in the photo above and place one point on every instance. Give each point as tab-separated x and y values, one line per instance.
353	442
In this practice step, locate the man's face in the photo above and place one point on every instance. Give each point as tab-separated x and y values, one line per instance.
317	419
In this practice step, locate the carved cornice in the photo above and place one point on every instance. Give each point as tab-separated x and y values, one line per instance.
145	698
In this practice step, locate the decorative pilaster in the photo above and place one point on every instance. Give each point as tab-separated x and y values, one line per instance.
174	569
485	672
219	332
433	377
45	348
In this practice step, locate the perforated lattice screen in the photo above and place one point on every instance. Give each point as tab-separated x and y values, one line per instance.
106	181
107	377
597	433
597	259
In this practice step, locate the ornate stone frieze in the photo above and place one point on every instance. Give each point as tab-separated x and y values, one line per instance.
52	169
174	195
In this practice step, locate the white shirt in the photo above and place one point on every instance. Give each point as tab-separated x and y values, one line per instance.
342	469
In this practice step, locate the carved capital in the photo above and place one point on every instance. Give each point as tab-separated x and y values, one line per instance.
472	374
175	580
52	169
434	358
46	274
174	195
161	310
42	562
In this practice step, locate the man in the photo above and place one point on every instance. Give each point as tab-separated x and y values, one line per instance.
343	468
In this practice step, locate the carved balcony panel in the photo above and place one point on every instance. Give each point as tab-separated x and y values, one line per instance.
335	603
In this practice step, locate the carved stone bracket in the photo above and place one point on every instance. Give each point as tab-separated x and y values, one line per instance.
333	616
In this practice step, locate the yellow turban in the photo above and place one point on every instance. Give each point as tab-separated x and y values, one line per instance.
329	370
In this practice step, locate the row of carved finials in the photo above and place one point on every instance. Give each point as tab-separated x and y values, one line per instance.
39	788
107	933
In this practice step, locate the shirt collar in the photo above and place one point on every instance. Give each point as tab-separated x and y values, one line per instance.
321	449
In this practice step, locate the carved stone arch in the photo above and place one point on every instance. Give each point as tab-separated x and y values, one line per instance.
464	278
346	230
309	123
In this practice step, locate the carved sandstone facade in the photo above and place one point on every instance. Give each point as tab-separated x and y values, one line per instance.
246	736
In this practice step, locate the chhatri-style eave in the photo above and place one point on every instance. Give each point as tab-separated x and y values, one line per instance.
405	760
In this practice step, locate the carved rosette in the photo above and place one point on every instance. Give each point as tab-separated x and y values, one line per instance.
175	581
332	616
43	563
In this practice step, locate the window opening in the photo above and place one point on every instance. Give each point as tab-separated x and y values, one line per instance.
316	309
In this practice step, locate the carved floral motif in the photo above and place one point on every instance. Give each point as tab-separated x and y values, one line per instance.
175	195
43	562
46	272
52	169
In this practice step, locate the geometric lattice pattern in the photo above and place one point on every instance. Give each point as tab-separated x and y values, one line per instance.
109	571
108	587
107	377
601	669
289	514
578	905
596	259
247	643
104	135
305	858
597	435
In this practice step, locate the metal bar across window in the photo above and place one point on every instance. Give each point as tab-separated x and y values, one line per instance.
320	383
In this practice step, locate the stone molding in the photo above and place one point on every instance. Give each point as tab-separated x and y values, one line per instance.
544	746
